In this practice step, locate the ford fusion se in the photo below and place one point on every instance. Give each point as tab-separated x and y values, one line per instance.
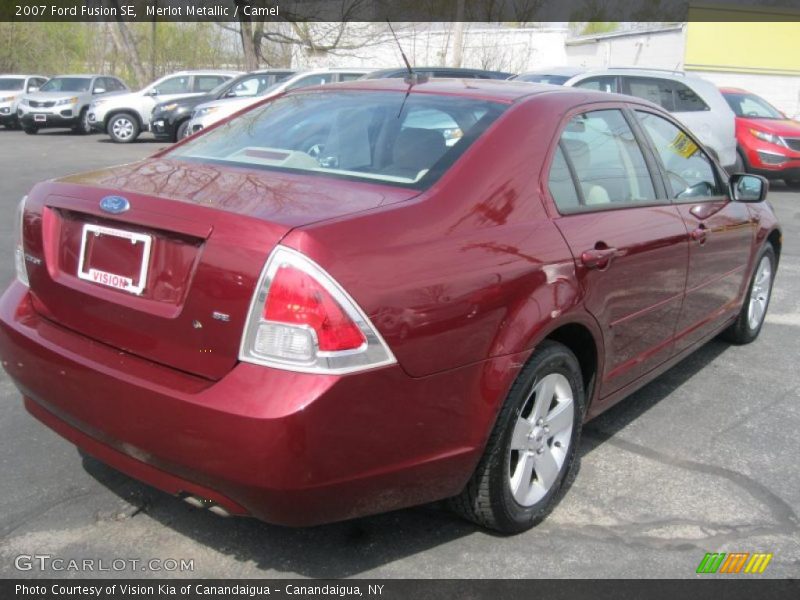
331	306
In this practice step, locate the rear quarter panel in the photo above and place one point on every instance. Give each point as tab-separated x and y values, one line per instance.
470	269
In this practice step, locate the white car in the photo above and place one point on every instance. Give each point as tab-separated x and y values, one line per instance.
124	117
693	100
211	112
63	102
12	87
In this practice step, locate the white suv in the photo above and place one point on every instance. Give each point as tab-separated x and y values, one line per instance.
693	100
12	87
125	116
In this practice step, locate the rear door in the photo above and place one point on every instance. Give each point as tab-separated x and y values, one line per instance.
721	232
628	240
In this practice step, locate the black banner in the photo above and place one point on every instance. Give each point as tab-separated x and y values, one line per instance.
400	10
744	588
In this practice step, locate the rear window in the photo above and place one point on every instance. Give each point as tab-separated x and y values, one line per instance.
371	136
539	78
670	95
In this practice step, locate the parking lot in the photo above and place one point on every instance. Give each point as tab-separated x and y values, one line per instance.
703	459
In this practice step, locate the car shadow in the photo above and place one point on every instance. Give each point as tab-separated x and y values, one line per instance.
354	547
140	140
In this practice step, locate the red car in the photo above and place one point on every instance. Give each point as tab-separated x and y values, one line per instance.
768	142
326	307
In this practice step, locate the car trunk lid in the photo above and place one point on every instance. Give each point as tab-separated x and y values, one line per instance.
171	278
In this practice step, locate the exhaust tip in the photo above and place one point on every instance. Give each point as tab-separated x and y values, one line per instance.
206	504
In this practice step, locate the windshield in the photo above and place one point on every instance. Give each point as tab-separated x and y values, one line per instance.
381	136
752	107
8	84
67	84
539	78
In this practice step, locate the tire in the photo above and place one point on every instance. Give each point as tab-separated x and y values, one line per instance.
82	127
180	133
509	490
123	128
31	130
748	324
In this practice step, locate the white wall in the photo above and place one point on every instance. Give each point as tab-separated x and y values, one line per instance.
501	48
659	50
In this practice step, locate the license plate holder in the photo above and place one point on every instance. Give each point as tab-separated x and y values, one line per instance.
106	248
40	118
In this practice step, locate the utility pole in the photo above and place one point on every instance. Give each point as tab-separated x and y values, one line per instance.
458	34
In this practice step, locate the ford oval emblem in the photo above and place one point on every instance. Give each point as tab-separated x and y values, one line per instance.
115	204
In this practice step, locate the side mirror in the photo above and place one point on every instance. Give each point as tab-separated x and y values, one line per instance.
748	188
32	89
230	94
152	92
99	91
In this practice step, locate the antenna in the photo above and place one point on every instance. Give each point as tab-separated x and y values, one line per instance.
412	77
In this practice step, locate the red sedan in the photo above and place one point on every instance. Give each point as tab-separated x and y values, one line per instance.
768	142
331	306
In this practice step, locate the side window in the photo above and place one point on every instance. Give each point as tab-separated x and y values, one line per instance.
670	95
175	85
36	82
603	84
101	83
319	79
206	83
561	185
117	85
247	87
607	161
689	171
349	76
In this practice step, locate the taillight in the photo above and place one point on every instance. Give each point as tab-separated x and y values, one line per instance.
19	249
302	320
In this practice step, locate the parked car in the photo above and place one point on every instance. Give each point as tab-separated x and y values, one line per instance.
553	75
305	338
696	102
768	141
209	113
63	102
125	117
449	72
12	87
170	119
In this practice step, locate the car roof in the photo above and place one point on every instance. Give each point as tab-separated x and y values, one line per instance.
497	90
20	75
564	71
84	75
640	71
388	72
204	72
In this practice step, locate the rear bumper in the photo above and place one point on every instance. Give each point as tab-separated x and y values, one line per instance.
288	448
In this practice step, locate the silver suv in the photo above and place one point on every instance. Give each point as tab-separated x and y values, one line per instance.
64	102
693	100
12	87
125	117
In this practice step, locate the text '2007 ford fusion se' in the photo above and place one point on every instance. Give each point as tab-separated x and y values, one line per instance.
355	298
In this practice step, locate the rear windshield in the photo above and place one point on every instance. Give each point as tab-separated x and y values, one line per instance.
67	84
375	136
8	84
538	78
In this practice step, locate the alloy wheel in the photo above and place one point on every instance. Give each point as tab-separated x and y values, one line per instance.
759	293
541	438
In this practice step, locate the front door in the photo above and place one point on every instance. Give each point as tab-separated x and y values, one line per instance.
720	232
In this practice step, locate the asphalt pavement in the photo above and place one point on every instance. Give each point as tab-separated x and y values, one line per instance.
703	459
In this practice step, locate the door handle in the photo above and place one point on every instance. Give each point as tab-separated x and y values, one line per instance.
598	258
699	234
